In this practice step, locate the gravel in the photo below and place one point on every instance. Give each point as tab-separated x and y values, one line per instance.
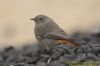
31	55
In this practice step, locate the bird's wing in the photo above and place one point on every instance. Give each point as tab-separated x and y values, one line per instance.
61	35
62	38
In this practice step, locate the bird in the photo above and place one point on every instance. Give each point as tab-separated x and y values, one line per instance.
49	34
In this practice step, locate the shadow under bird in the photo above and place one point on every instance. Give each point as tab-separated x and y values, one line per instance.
49	34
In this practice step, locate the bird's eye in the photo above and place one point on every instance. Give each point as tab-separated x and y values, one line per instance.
41	19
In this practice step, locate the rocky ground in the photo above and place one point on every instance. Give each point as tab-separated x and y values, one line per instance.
58	56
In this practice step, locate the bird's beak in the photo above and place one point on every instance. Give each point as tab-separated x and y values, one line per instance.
32	19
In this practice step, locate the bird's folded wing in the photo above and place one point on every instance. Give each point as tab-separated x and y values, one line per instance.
58	36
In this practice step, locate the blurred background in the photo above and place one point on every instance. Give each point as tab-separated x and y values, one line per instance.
17	29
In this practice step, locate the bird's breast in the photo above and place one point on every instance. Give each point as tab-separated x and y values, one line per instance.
43	29
47	28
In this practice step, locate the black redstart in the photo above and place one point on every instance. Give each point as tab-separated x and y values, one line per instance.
49	34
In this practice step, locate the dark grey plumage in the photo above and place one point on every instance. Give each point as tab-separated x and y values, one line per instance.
49	33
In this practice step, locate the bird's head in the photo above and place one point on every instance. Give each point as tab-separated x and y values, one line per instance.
41	19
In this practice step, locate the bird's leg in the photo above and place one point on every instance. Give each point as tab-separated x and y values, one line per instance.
49	60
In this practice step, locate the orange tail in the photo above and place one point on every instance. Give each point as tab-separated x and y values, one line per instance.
69	42
73	44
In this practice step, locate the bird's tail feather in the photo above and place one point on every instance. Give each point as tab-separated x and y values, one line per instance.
72	43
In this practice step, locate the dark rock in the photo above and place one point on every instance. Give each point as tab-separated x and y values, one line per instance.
33	55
